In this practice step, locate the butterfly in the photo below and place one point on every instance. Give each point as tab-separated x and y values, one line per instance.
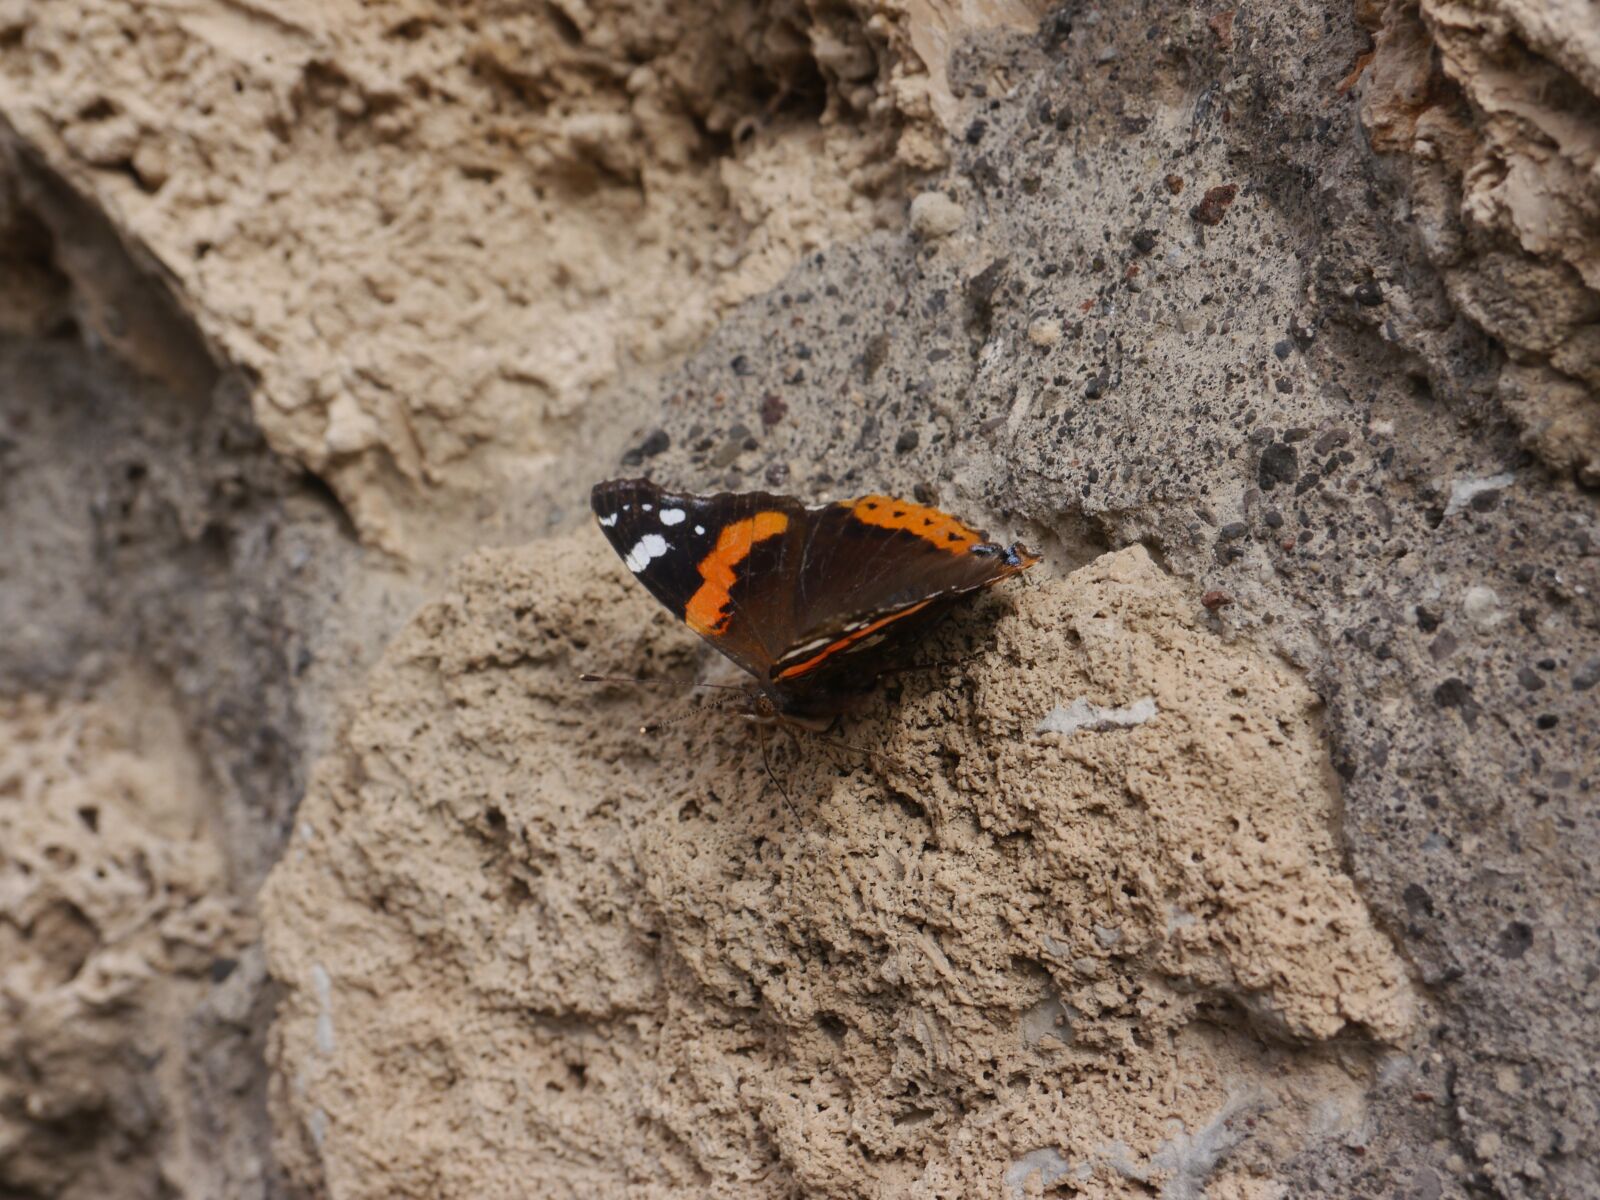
805	599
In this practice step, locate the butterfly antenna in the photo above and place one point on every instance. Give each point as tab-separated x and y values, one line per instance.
882	756
588	677
657	726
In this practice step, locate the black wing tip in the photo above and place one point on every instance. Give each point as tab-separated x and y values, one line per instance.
602	494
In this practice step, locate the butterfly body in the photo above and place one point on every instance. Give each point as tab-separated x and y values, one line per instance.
805	599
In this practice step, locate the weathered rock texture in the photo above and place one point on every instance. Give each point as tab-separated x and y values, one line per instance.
1497	108
435	232
1290	309
118	919
633	968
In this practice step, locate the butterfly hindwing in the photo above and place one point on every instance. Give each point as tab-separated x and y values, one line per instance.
878	569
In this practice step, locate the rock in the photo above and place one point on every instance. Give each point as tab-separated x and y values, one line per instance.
292	331
1214	204
473	789
1279	464
1481	606
934	215
1044	332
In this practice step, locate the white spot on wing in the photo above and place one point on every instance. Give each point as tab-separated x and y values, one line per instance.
699	530
806	649
672	516
608	522
647	507
651	545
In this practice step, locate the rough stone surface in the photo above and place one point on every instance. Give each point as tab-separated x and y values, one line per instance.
161	568
117	922
1493	110
1313	488
637	969
435	233
1300	299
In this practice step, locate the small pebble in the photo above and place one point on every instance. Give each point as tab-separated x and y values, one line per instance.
1279	464
1214	204
657	442
935	215
1481	606
1045	332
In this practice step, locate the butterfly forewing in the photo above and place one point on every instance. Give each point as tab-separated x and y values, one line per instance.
899	554
876	570
717	562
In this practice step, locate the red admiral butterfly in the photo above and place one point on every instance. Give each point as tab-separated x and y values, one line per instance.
799	597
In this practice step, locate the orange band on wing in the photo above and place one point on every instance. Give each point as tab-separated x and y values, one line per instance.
845	642
704	612
940	528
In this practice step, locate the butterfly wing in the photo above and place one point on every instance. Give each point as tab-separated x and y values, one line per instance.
717	562
878	568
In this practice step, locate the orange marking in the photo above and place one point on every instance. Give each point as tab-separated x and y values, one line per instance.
842	643
943	530
704	612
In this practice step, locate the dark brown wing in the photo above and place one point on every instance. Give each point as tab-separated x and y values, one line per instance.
717	562
878	568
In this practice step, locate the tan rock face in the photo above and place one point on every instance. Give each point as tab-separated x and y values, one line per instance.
114	913
1495	103
527	948
434	232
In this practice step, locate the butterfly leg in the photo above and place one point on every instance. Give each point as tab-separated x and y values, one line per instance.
766	762
932	666
590	677
864	751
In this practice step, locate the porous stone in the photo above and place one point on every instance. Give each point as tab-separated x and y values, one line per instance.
934	215
1136	876
298	309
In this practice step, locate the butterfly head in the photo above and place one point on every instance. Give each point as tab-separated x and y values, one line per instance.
1015	556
